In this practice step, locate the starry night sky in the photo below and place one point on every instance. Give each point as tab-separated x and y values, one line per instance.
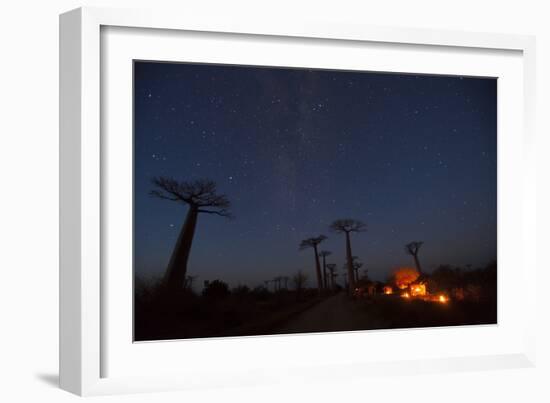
412	156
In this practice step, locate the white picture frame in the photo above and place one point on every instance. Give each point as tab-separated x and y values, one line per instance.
84	309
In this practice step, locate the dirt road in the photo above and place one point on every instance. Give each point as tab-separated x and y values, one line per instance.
337	313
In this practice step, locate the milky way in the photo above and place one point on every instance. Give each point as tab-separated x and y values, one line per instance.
412	156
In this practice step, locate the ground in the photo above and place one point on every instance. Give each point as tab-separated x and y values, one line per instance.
337	313
341	313
232	316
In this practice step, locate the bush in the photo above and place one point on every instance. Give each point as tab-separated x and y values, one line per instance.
215	289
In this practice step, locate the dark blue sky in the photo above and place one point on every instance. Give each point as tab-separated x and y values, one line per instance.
414	157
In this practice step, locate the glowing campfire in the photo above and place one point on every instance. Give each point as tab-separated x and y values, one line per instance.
405	278
439	298
418	290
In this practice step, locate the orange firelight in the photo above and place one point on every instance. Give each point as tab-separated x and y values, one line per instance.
405	295
418	289
442	299
404	276
388	290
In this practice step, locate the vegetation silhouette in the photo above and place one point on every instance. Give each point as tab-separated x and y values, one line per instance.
299	280
201	197
346	226
314	243
356	264
324	254
412	249
332	274
215	289
170	308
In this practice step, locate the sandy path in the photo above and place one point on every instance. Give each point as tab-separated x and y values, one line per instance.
337	313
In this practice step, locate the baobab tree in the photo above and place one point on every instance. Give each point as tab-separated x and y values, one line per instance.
324	254
357	264
331	267
314	243
285	280
347	226
299	280
412	249
201	197
277	283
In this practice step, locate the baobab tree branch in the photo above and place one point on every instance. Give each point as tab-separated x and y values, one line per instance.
161	195
312	242
221	213
348	225
198	193
412	248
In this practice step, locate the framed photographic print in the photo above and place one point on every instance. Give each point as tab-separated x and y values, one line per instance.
232	195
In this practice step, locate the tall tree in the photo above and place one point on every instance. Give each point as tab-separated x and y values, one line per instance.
324	254
200	196
285	280
412	249
277	283
299	280
357	264
331	267
314	243
346	227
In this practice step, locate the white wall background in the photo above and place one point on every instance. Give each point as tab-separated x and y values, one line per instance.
29	201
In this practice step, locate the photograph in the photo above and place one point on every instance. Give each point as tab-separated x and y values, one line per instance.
273	200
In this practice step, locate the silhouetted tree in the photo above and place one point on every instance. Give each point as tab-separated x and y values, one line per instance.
331	268
277	283
357	264
285	280
215	289
347	226
299	280
324	254
345	275
313	243
200	196
412	249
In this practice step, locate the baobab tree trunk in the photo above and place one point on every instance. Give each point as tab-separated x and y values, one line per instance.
417	263
177	267
351	277
324	272
318	270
